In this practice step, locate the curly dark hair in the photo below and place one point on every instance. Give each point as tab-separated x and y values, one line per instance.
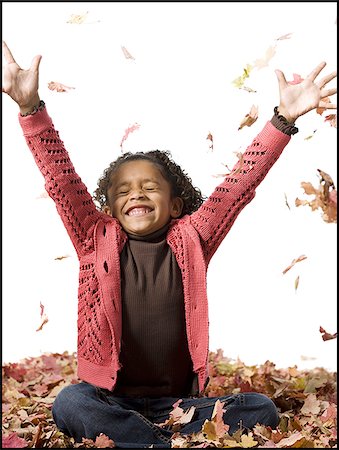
180	182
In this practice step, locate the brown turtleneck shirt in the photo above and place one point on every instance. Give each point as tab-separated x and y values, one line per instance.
154	351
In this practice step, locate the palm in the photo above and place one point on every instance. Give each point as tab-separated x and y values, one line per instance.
298	99
21	85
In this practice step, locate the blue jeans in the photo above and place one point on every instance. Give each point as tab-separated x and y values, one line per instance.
84	411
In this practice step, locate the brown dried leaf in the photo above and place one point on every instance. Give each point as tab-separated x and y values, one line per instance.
325	197
311	405
327	336
210	138
60	258
249	118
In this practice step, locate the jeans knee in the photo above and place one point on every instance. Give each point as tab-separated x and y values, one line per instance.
269	411
64	405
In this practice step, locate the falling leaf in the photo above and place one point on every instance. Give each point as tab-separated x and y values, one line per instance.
239	81
325	197
129	130
249	118
236	169
59	258
284	36
296	260
307	138
127	53
59	87
79	19
210	137
263	62
296	79
42	195
44	318
248	89
327	336
320	110
332	119
296	283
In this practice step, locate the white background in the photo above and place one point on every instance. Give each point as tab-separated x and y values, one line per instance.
179	88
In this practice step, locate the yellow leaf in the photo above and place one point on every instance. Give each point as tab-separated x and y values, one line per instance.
248	441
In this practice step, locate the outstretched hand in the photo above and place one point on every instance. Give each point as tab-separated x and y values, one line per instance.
298	99
21	85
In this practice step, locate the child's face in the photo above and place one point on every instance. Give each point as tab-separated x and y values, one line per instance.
140	198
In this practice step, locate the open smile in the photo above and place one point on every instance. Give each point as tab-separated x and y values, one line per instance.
137	211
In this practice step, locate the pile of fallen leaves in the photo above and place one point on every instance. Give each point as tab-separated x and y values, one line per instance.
306	401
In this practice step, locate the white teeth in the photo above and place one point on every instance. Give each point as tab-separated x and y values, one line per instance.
139	211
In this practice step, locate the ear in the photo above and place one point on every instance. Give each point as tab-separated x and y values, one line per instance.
177	206
107	210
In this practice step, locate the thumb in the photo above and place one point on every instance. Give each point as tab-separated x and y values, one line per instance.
281	78
35	63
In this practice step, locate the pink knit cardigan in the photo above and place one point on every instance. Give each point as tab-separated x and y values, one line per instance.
99	239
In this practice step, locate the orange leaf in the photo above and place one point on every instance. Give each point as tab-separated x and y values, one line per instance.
250	118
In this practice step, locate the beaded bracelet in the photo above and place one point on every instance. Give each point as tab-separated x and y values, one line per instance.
36	108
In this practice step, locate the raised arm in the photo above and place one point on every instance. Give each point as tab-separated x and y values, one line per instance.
74	204
216	216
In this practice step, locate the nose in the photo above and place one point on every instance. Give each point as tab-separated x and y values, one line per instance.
136	194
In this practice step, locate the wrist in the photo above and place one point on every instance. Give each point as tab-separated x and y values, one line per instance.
283	112
30	107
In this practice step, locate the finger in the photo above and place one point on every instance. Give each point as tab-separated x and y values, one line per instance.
281	78
315	72
35	63
327	79
327	92
7	53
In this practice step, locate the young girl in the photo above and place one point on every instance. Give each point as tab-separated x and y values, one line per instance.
142	302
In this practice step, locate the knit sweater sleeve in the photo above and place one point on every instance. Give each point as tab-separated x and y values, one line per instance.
73	202
216	215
